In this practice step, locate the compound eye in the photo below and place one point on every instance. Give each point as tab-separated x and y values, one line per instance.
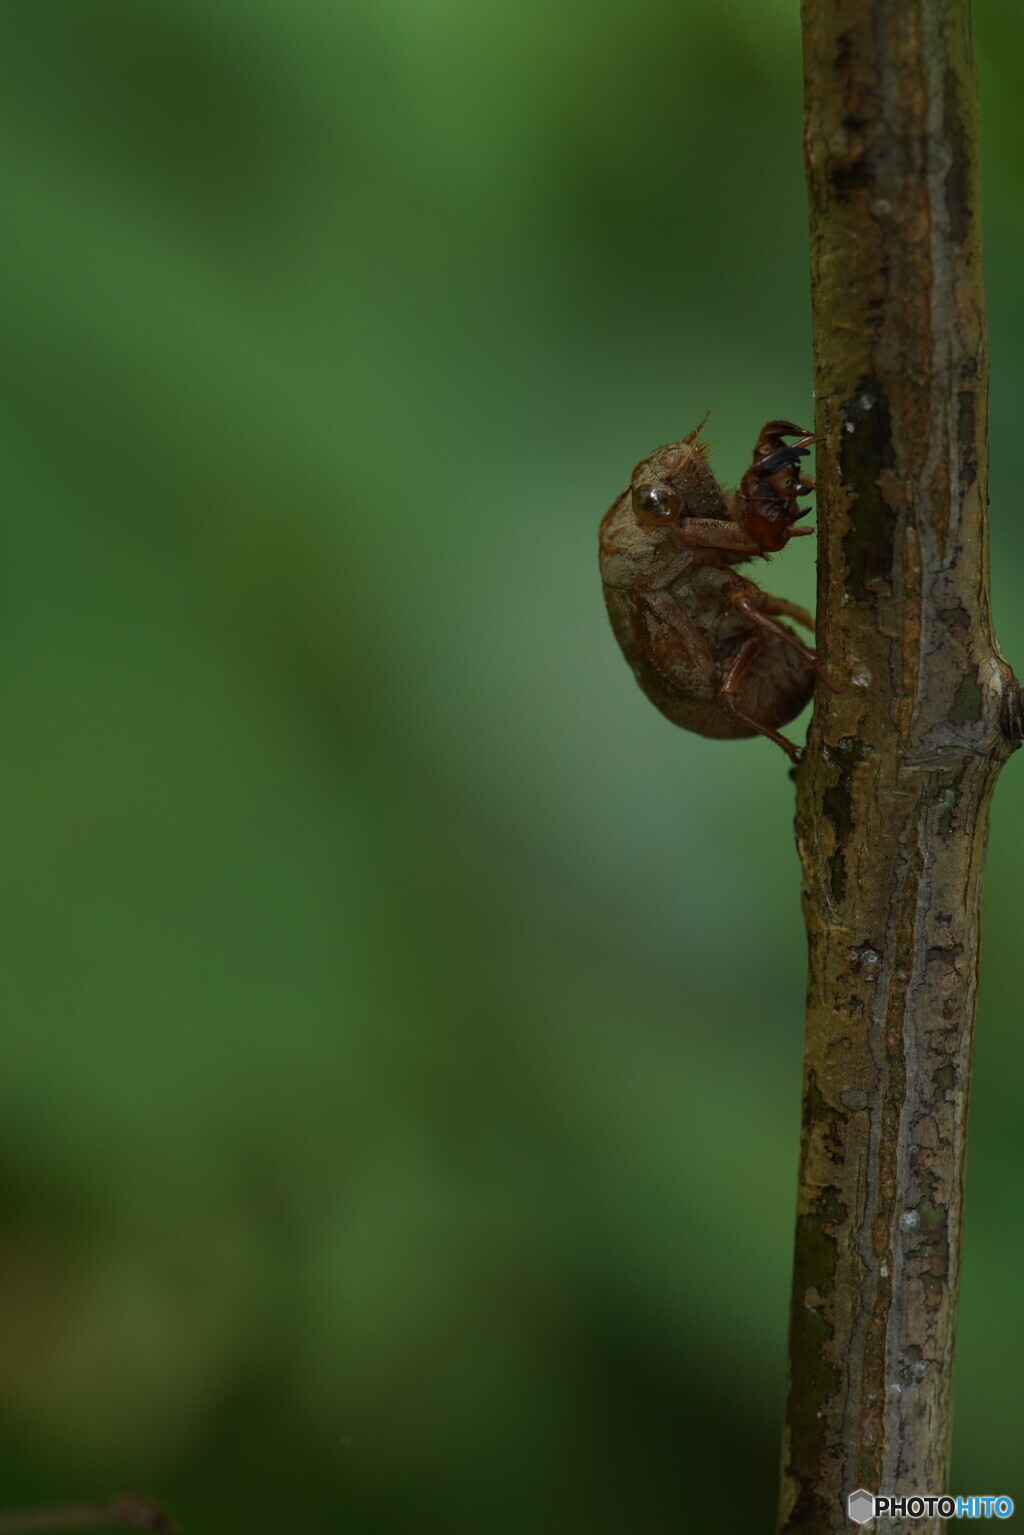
655	505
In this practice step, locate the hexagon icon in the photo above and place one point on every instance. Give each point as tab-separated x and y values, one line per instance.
860	1506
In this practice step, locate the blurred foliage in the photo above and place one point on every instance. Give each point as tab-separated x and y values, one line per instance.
402	1021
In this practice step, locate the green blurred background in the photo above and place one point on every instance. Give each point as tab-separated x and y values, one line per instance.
402	1021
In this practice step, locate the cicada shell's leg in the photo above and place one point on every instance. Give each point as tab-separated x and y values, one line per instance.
769	439
733	680
750	609
782	608
718	533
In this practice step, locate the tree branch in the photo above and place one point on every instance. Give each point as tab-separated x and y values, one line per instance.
893	794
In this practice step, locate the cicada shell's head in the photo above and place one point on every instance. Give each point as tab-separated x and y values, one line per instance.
673	483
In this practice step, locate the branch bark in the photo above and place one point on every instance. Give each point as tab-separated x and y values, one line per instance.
894	791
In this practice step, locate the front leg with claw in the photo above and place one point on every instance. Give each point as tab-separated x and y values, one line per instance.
766	504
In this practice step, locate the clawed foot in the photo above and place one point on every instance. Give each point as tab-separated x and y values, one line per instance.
770	488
